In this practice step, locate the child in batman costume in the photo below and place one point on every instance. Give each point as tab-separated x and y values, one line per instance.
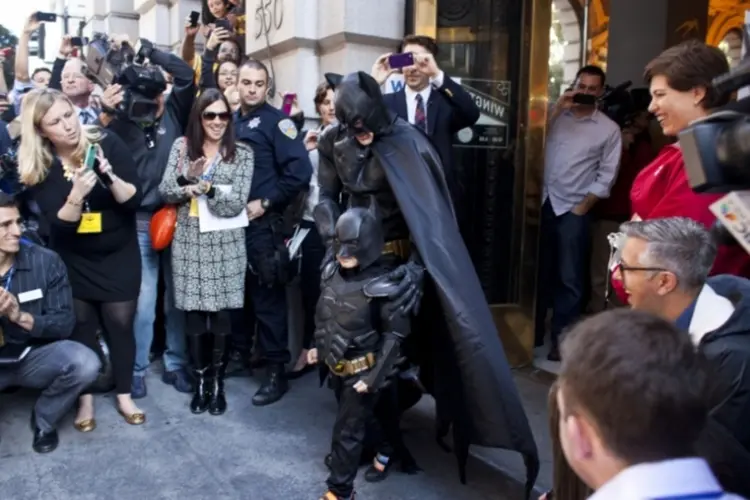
373	154
359	331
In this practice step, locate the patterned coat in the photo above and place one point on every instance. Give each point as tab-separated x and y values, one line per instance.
208	269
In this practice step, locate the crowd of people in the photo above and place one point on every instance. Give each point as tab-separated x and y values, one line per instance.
211	197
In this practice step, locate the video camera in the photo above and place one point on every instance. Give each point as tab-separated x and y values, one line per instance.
621	104
127	66
716	151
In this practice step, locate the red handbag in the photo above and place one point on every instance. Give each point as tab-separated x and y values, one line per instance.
164	220
163	224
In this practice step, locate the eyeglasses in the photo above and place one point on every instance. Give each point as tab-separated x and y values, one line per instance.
211	116
624	267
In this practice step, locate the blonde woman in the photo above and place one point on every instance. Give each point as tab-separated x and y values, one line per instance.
91	217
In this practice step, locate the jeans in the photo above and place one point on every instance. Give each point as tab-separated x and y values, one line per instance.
62	369
175	355
564	245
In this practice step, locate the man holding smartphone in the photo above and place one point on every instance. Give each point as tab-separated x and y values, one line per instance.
430	99
582	157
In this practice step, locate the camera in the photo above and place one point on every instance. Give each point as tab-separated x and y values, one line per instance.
127	66
622	104
716	148
716	152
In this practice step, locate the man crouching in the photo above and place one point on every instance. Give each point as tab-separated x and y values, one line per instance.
36	318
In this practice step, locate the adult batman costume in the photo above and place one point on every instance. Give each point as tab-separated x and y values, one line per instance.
358	337
372	152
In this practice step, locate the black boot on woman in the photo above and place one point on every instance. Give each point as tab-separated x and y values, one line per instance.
218	401
200	348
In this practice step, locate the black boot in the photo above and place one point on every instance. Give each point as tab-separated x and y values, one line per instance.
200	346
273	387
218	402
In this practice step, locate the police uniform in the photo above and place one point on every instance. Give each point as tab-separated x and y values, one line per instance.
282	171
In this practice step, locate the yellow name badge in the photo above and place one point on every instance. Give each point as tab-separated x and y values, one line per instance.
193	207
91	223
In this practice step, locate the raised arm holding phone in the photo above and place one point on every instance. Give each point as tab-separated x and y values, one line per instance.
88	193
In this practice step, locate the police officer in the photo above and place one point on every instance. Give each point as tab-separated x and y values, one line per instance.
282	172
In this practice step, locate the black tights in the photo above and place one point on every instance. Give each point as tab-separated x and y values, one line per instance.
116	320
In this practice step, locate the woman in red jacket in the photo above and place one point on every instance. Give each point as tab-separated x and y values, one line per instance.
681	92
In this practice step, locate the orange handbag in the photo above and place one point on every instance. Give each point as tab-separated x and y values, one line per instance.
164	220
163	224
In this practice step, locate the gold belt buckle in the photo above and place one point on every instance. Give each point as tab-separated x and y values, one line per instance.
401	248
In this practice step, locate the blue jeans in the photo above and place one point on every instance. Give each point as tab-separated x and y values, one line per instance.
175	355
564	243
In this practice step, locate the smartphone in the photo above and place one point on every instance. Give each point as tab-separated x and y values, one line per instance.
224	23
286	106
45	17
79	41
398	61
194	17
89	161
585	99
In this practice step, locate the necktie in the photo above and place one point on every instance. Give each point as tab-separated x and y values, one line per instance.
85	117
420	118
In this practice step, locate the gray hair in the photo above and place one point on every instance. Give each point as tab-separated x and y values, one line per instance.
679	245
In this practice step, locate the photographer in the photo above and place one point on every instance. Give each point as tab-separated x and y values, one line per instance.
150	144
24	82
582	156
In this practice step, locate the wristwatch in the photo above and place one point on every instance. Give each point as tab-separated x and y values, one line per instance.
265	203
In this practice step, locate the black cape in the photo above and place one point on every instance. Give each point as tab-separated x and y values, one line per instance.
471	380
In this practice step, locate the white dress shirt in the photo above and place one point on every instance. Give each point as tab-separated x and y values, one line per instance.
411	97
687	478
89	111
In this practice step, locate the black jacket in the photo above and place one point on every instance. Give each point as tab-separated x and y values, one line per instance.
152	162
727	350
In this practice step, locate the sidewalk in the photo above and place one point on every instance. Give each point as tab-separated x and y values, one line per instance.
249	453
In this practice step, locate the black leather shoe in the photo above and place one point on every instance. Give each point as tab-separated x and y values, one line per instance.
44	442
273	388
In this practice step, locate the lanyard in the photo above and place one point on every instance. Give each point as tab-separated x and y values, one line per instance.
706	495
9	277
207	174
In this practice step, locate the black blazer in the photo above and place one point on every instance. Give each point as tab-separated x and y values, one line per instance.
449	109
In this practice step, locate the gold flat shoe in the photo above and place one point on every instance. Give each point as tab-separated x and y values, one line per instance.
134	418
85	425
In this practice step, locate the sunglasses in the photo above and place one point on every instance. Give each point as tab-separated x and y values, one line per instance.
211	116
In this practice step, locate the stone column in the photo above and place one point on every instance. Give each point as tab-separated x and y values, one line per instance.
640	29
307	39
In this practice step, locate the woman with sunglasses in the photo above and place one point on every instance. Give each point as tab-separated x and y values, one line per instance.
208	175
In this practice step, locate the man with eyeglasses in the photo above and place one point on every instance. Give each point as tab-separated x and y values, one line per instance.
664	266
582	156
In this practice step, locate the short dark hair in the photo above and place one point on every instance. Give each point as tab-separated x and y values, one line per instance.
194	130
217	69
689	65
8	201
593	70
641	381
40	70
256	64
320	94
427	42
